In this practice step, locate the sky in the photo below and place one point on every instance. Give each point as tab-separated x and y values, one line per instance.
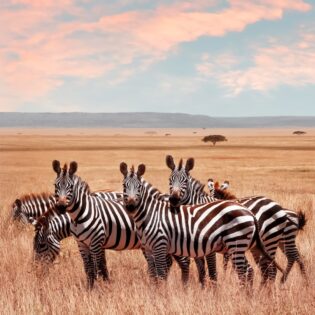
211	57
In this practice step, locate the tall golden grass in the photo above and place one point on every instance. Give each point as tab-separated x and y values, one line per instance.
272	164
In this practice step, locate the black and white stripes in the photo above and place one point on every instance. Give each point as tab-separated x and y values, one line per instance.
186	223
191	231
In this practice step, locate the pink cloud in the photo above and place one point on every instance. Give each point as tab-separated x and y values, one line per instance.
275	65
168	26
38	50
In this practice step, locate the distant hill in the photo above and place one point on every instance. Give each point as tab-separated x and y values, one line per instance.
147	120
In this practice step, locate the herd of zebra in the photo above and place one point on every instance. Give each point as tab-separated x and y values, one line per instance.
186	222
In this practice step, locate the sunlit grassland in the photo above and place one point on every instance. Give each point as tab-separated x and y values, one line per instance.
274	164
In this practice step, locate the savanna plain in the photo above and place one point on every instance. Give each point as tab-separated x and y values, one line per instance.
273	163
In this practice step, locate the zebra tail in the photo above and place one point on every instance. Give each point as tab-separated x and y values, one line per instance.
302	219
260	245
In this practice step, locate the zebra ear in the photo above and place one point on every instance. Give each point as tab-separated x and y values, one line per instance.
225	185
18	203
170	162
189	165
73	168
56	166
123	168
210	183
180	164
141	170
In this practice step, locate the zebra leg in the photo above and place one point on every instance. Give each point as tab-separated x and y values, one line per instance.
183	263
102	267
262	266
269	268
226	258
212	267
88	264
240	265
151	264
160	254
292	254
200	263
249	274
98	259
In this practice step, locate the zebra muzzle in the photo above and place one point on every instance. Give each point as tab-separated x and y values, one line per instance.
174	200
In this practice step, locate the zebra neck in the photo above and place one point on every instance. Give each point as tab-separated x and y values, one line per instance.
149	207
154	192
81	204
60	227
197	194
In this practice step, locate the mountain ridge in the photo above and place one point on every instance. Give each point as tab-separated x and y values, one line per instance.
146	120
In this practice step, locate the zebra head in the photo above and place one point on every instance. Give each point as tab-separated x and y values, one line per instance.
211	187
132	186
179	180
18	212
222	191
64	184
45	245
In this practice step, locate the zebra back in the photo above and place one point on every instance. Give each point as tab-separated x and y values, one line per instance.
32	205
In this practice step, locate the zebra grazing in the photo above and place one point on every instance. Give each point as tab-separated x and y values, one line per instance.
96	223
271	218
50	230
190	231
296	222
52	227
32	206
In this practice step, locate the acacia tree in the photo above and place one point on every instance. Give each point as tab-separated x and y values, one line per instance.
299	132
214	139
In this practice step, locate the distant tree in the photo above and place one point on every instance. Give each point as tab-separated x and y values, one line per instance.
214	139
167	134
299	132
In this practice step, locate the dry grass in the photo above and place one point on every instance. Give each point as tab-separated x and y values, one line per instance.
279	166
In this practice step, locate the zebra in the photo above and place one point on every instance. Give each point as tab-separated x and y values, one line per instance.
50	230
296	222
32	206
96	223
271	218
189	231
51	227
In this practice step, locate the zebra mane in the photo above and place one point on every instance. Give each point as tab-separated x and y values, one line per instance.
223	194
82	184
32	196
153	191
198	186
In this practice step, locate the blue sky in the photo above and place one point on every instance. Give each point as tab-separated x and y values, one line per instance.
219	58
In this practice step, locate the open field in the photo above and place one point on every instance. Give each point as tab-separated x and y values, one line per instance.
266	162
